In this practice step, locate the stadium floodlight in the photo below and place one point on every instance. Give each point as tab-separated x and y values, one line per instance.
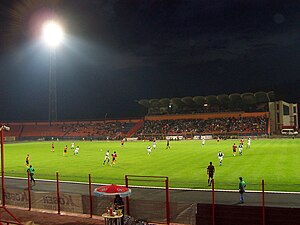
52	33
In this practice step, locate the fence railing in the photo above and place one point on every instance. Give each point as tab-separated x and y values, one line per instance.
78	197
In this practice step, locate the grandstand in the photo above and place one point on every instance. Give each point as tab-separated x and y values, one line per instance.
222	115
98	130
280	114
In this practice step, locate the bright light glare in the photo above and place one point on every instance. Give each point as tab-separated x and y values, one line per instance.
52	33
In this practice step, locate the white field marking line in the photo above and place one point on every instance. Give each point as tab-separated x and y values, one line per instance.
147	187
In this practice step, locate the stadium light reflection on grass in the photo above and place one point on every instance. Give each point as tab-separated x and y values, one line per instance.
52	33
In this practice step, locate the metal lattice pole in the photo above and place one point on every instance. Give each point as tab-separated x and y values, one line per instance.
52	86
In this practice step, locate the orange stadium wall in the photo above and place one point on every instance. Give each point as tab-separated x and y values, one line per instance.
205	116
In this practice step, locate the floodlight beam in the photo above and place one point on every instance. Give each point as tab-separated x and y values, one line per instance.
52	33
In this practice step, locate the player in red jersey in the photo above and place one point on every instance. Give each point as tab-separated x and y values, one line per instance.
65	150
242	141
234	149
27	160
114	157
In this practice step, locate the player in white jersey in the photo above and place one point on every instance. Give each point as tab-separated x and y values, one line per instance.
72	145
248	142
220	157
76	151
106	158
149	149
154	144
203	141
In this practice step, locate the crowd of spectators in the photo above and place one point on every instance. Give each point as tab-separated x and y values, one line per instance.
256	125
97	129
100	130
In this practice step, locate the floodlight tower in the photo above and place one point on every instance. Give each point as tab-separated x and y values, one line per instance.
53	36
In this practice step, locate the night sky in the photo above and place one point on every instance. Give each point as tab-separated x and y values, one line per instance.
119	51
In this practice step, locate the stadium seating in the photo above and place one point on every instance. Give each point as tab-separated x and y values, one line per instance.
218	126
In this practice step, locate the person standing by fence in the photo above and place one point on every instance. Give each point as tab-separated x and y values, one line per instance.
210	173
31	173
242	188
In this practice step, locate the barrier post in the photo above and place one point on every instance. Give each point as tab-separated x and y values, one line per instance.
91	197
127	199
2	166
213	202
29	190
58	194
263	202
167	201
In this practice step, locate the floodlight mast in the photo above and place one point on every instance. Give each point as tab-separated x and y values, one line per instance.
53	36
52	86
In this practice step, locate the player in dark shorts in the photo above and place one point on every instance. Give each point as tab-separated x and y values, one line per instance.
168	144
65	150
234	149
52	147
114	158
210	173
27	160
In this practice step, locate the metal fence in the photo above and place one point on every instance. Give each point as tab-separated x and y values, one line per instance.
147	203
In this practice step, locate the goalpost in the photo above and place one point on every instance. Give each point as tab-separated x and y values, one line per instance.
148	179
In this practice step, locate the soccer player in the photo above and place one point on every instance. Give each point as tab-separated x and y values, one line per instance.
106	158
114	157
218	140
241	148
248	143
242	141
220	157
149	149
27	160
168	144
234	149
122	142
210	173
72	146
154	144
203	141
76	151
65	150
52	147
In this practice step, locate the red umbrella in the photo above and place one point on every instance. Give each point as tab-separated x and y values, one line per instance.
113	190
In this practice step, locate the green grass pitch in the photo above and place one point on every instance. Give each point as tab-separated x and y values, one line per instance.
274	160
